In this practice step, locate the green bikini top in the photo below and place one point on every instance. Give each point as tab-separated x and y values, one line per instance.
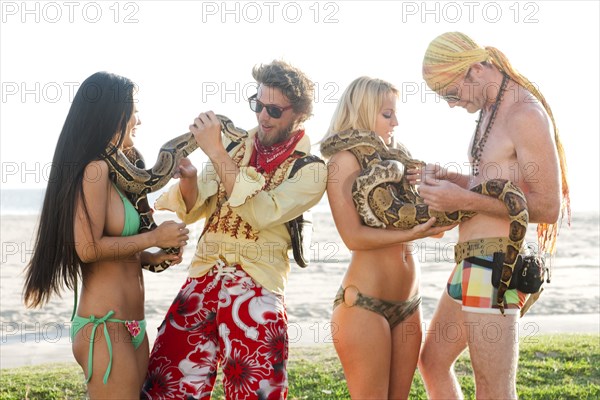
132	218
130	227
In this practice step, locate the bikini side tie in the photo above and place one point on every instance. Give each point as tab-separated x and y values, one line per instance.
97	322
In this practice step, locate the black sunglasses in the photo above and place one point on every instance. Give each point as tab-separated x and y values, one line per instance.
273	110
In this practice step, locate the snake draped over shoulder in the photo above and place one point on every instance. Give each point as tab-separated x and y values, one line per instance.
128	171
384	198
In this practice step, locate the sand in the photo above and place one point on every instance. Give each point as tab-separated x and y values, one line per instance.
570	303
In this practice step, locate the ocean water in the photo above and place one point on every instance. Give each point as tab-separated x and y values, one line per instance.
21	201
30	201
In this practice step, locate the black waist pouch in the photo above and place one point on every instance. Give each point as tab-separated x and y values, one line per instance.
528	275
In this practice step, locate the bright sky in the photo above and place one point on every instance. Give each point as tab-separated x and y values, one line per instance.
191	56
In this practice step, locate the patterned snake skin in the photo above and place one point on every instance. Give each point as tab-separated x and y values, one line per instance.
385	199
128	171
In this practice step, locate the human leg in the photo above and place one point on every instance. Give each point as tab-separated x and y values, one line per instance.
142	357
184	357
362	339
469	308
494	352
445	340
112	365
406	343
139	340
492	337
253	340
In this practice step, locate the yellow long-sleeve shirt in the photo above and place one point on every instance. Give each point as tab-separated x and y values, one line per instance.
248	228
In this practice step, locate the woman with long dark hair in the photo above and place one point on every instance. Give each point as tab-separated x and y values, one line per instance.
88	230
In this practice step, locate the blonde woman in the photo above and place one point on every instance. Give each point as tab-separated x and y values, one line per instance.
376	320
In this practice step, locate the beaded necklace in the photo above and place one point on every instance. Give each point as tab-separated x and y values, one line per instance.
479	142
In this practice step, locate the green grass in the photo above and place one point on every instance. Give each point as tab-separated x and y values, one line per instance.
47	381
550	367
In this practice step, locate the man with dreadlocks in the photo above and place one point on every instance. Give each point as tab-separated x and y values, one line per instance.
513	140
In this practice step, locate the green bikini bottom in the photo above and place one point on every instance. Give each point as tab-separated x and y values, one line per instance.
137	330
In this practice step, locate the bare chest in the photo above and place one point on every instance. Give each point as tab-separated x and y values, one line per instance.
492	152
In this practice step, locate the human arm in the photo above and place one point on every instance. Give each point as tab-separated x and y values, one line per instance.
437	172
257	206
207	132
189	197
188	182
91	242
442	195
158	257
537	159
342	171
300	186
536	174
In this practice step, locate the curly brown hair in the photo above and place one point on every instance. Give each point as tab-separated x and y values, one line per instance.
292	82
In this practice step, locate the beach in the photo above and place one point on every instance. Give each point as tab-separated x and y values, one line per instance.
569	304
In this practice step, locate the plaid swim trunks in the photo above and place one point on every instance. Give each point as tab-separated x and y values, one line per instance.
471	285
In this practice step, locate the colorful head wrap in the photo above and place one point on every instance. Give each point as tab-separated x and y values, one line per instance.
448	58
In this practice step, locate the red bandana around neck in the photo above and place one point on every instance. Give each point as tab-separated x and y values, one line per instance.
268	158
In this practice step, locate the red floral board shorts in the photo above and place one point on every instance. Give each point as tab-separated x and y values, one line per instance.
226	319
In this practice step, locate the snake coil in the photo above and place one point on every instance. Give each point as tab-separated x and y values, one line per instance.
128	171
385	199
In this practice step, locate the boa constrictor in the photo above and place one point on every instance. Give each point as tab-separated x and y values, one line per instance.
128	171
384	198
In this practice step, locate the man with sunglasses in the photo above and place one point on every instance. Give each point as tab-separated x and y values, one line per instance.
231	310
515	139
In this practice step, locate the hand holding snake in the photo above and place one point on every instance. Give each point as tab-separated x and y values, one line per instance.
185	170
385	198
441	195
128	171
207	132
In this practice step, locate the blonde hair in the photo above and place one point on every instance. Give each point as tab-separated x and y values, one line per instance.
359	105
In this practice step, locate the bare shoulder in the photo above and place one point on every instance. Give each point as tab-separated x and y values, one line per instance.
528	120
530	130
344	159
95	187
96	174
342	166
